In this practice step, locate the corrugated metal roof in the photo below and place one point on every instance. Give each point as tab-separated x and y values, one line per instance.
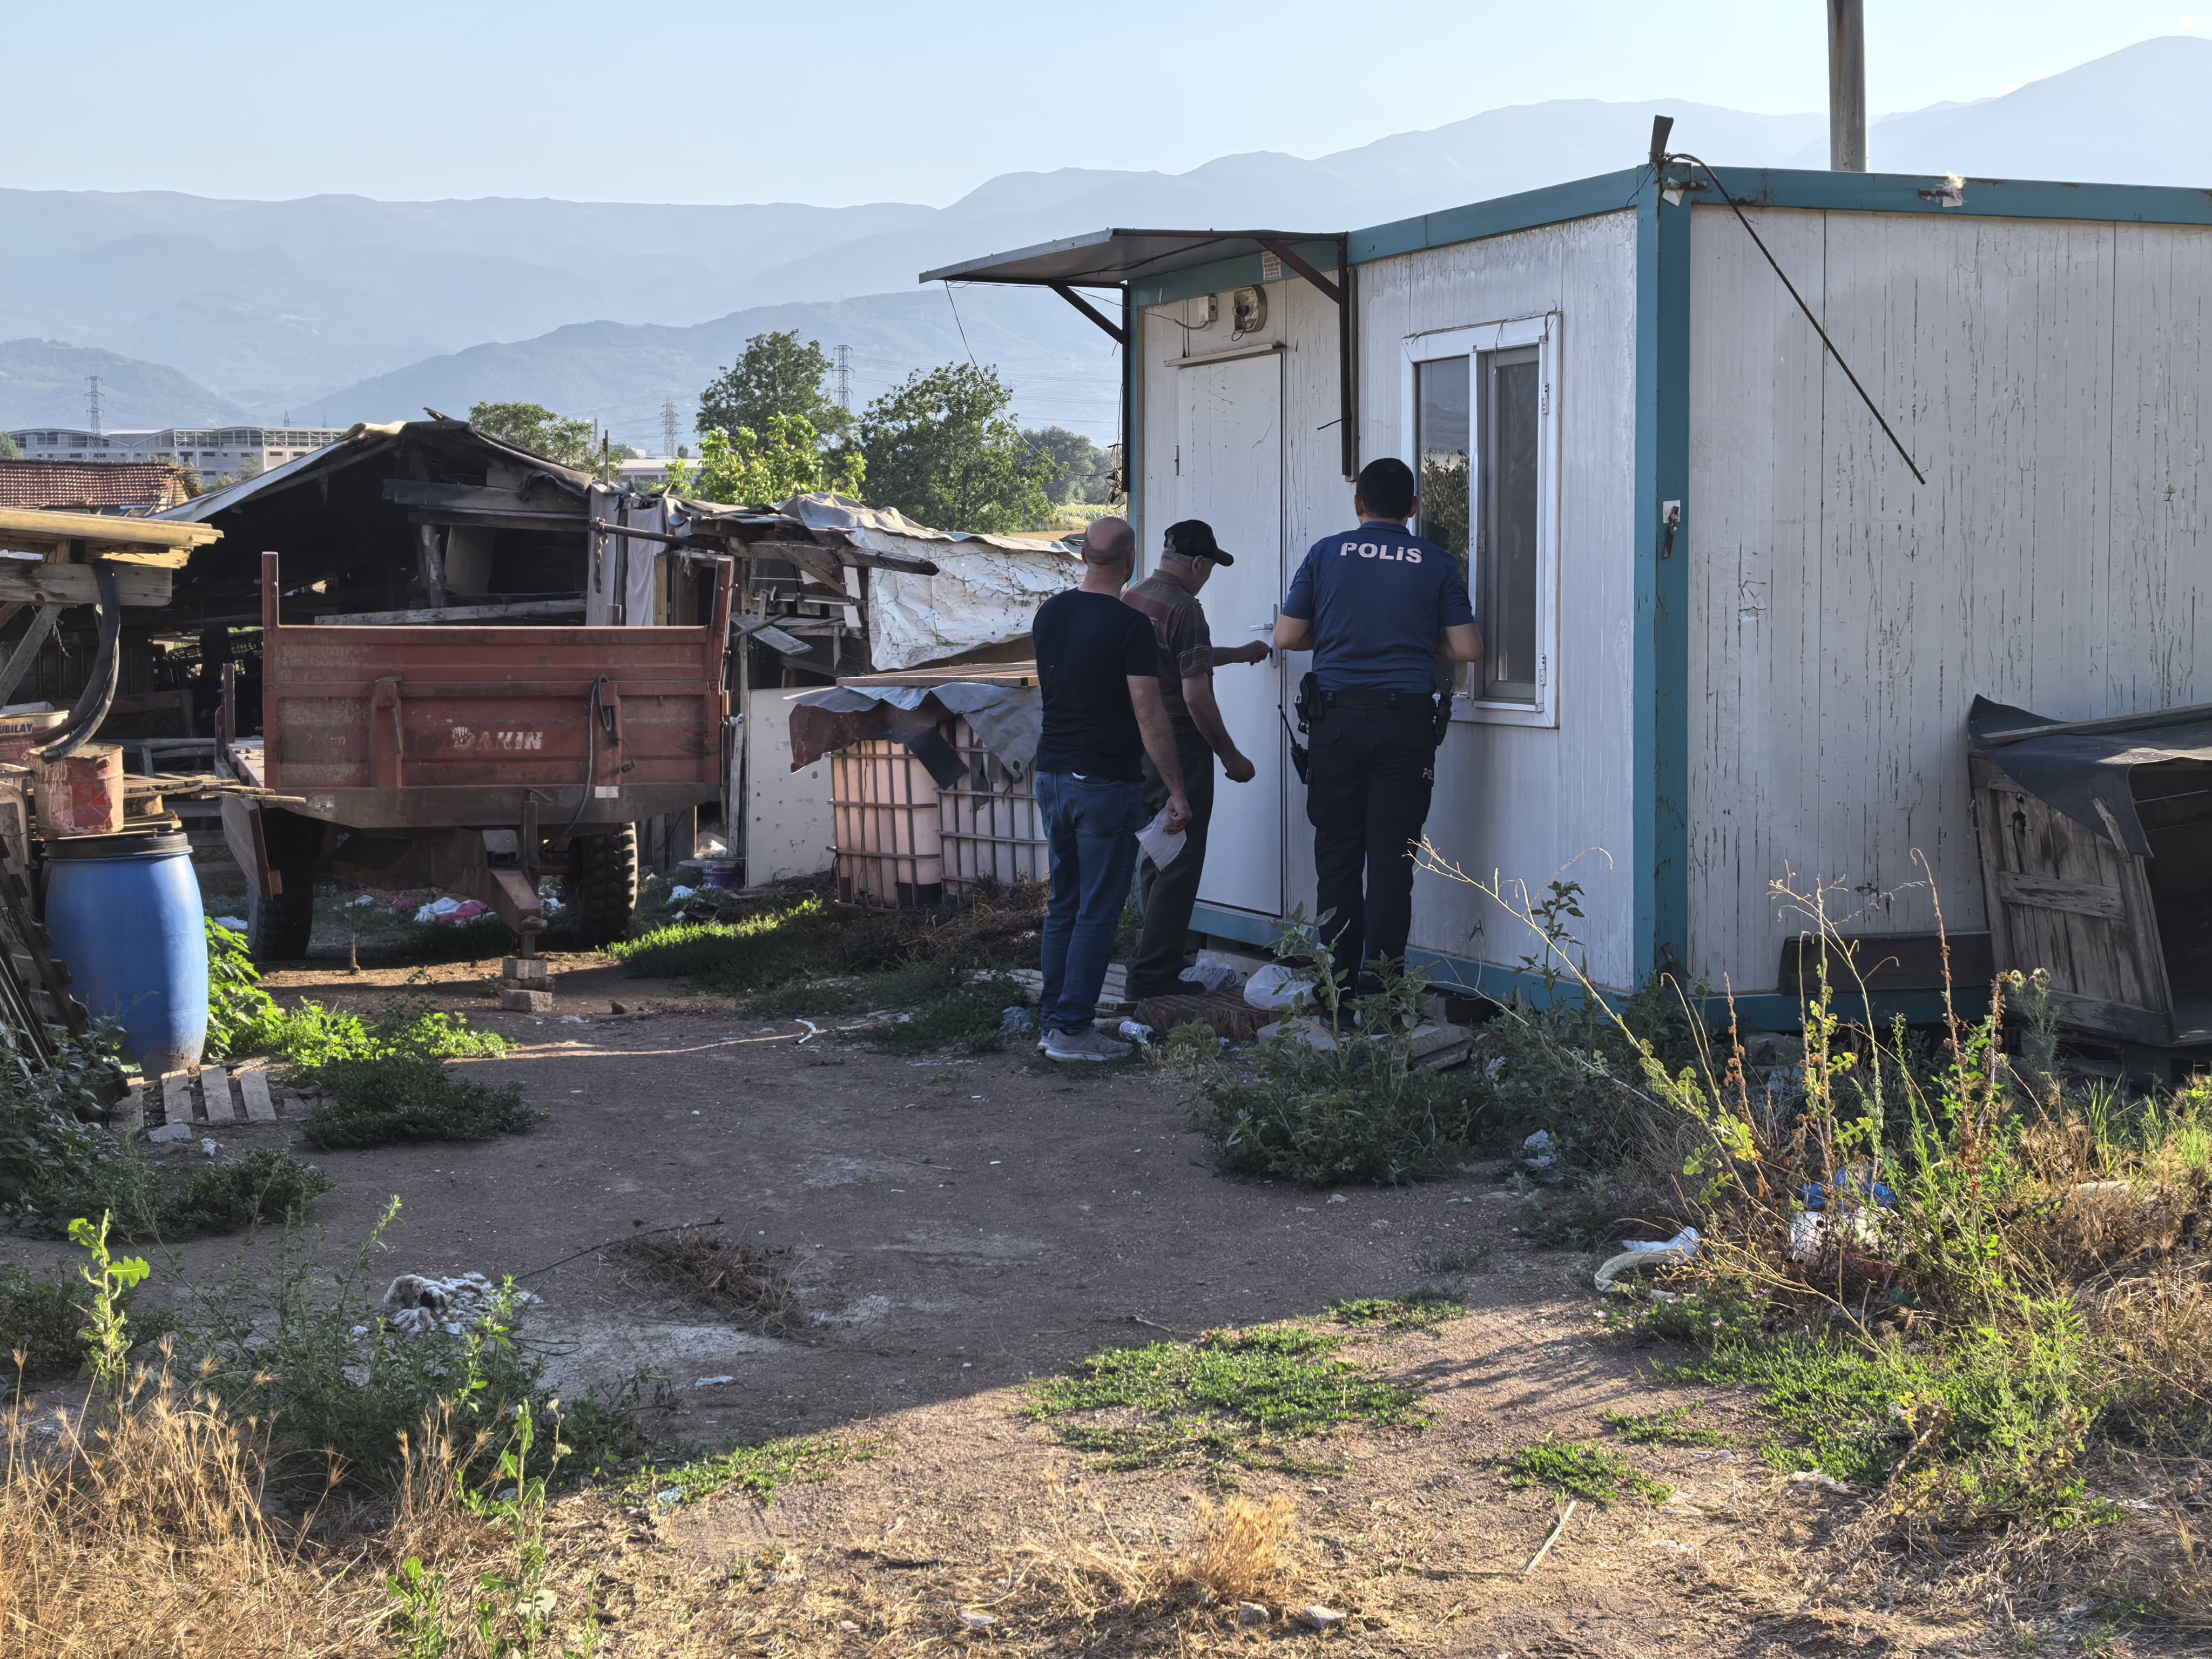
1108	258
360	443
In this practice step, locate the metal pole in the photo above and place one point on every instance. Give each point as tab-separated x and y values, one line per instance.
1847	116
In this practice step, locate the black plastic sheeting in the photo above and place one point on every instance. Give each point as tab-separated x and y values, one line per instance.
2074	771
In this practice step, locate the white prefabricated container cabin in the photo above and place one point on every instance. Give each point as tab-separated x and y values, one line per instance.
1732	639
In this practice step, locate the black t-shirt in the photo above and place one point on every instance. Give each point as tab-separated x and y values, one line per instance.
1088	646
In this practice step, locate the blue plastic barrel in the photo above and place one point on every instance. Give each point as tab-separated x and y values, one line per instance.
124	915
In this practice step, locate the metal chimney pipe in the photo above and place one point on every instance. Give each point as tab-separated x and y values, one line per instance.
1847	119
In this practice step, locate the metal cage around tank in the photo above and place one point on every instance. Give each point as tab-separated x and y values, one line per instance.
902	842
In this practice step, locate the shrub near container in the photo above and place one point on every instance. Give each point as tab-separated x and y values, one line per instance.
124	912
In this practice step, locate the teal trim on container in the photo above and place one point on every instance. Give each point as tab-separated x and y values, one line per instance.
1989	198
1222	275
1669	765
1239	925
1769	1012
1584	199
1787	188
1660	719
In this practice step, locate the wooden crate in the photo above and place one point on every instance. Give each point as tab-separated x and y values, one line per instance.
2076	902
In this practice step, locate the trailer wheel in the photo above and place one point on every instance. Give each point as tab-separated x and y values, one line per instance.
277	929
602	883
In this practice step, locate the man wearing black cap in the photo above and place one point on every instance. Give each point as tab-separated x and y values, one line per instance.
1169	598
1377	606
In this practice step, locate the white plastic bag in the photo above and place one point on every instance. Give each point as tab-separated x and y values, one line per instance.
1158	844
1211	973
1277	989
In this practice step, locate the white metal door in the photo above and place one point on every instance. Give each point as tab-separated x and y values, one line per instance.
1230	473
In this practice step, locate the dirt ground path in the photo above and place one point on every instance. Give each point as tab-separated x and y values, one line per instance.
960	1225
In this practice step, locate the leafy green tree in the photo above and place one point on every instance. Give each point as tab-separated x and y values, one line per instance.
9	452
749	471
943	450
775	375
539	430
1083	469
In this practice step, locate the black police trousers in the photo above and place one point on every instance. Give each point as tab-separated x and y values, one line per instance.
1367	784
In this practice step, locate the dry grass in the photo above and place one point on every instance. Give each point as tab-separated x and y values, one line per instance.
140	1529
1074	1579
748	1285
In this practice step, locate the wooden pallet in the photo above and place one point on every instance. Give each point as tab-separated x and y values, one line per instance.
213	1096
34	987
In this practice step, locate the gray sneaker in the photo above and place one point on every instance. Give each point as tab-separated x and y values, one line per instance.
1083	1045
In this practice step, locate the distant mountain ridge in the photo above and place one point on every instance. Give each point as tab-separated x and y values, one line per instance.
339	307
42	383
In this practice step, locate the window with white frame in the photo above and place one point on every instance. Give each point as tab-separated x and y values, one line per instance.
1481	410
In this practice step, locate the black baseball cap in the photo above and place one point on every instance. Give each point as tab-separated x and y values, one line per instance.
1193	538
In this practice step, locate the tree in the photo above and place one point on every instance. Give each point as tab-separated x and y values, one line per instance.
539	430
747	470
1083	470
943	450
9	452
776	375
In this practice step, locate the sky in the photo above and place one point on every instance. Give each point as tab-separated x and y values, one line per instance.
870	101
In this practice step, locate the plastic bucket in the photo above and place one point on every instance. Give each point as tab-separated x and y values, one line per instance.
124	915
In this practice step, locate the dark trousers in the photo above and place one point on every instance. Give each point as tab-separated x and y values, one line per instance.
1367	795
1169	894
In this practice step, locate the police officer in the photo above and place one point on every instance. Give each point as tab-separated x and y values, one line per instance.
1377	606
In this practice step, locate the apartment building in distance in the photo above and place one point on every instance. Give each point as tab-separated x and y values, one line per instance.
210	452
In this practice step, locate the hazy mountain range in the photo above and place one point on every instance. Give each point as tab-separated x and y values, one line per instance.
336	309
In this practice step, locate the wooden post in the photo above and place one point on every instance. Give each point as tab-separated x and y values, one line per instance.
1847	118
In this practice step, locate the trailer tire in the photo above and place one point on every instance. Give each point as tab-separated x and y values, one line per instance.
602	883
277	929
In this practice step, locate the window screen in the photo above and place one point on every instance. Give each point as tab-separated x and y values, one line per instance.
1442	418
1506	558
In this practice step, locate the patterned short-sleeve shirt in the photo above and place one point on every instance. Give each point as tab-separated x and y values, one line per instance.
1185	641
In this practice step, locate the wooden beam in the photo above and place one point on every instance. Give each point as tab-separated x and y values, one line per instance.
519	518
844	553
453	613
160	542
29	583
476	498
696	543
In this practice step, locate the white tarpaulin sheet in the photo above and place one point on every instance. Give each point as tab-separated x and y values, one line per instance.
986	590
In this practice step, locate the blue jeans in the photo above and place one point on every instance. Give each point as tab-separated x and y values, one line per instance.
1091	828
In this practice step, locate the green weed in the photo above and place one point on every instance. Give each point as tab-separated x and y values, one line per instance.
50	1154
237	1005
1985	1427
375	1102
1418	1310
1228	1397
408	1027
1455	1263
757	1471
1671	1427
39	1321
267	1187
1583	1468
1360	1110
313	1358
796	946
